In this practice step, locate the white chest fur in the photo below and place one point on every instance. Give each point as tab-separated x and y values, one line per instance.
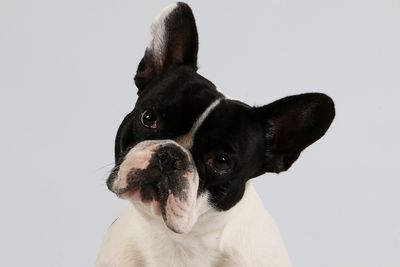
244	236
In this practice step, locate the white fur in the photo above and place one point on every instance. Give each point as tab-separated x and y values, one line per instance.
244	236
187	140
157	32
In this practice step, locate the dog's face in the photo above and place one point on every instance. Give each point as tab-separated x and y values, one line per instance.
185	148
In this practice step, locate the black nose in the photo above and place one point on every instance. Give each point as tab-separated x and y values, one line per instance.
171	158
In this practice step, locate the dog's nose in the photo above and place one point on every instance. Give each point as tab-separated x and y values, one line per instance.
171	158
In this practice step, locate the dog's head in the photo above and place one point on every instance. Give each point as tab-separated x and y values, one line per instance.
185	148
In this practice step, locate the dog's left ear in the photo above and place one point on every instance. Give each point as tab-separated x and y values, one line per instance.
290	125
173	42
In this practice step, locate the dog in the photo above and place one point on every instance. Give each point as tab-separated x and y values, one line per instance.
185	157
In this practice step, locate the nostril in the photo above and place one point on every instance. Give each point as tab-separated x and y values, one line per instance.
178	164
162	155
170	159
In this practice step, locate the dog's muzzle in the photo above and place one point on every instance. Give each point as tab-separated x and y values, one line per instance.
161	176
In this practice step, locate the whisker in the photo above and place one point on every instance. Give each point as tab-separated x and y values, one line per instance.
107	165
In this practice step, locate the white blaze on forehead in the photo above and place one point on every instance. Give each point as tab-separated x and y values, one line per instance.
158	31
187	140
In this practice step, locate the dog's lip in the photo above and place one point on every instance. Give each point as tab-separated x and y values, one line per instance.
133	188
121	191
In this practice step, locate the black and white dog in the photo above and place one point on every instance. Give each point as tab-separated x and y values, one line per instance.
184	157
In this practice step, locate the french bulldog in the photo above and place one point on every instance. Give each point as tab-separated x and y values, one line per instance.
185	157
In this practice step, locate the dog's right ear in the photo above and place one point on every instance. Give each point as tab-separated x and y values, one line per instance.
173	42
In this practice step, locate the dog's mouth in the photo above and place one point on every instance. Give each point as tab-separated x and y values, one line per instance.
155	189
149	192
145	192
172	197
138	190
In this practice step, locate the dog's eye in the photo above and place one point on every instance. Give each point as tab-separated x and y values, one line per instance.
149	119
220	163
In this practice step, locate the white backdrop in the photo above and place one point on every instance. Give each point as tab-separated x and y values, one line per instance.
66	70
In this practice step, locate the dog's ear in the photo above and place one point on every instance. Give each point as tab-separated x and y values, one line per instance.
173	42
290	125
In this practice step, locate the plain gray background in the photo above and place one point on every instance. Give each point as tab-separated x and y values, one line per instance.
66	70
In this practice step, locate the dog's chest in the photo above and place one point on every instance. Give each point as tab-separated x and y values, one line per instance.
132	241
196	253
242	236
